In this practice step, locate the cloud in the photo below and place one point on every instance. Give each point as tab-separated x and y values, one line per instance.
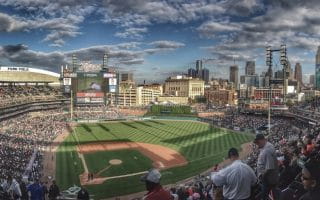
60	19
129	53
166	44
132	62
11	49
133	33
211	28
243	7
11	23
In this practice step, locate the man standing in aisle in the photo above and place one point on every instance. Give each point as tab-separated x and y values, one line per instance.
236	179
267	166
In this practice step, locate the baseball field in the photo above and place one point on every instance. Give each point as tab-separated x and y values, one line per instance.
109	158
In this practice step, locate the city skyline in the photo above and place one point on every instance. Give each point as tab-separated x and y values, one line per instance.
158	38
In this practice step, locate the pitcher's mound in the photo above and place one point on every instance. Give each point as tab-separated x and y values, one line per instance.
115	162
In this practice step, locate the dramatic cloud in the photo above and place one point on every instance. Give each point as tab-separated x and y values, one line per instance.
211	28
119	54
60	19
132	33
165	44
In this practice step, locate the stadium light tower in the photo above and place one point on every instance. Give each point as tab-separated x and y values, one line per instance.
284	63
269	64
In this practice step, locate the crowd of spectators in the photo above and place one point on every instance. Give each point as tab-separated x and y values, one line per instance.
19	94
22	142
296	145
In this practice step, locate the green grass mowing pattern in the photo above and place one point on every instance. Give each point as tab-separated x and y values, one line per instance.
201	145
69	166
132	162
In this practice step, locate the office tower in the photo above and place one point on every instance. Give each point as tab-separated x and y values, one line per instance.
278	74
199	66
311	80
234	70
250	68
205	75
192	73
127	77
105	61
298	73
317	74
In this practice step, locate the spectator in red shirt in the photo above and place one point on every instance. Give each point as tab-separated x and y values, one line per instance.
155	190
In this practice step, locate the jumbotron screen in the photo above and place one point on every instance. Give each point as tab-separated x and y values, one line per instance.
89	82
89	88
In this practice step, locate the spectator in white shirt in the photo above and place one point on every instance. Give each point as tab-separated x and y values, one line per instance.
267	166
236	179
14	188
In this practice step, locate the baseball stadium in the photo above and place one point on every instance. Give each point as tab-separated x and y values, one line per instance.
86	131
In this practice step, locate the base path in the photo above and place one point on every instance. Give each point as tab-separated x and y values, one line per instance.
162	157
49	157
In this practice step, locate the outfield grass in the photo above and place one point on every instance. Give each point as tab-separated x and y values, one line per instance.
132	161
201	145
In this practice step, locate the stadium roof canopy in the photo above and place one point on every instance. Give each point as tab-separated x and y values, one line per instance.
27	75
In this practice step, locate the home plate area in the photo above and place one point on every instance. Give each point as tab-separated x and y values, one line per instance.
112	160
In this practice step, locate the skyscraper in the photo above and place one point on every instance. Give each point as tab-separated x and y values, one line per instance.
317	74
192	73
127	77
298	73
234	70
199	72
311	80
105	61
199	65
205	75
250	68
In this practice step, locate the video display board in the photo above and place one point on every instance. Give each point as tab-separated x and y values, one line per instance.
89	88
89	82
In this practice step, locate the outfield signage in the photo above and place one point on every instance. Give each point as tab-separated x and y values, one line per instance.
112	88
109	75
14	69
66	81
69	75
112	81
90	94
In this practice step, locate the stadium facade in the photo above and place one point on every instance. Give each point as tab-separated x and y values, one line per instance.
27	76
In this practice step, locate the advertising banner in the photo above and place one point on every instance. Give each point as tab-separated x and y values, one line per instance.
112	81
112	88
90	94
109	75
66	88
66	81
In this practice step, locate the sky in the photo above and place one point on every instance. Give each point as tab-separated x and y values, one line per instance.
155	39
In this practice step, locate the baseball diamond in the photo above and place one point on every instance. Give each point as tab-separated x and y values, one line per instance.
183	148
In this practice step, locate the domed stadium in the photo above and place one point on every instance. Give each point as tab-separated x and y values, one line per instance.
25	75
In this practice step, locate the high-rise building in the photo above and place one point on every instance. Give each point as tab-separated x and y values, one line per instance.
184	87
278	74
250	80
298	73
105	62
250	68
317	74
199	72
234	70
199	65
311	79
192	73
127	77
205	75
